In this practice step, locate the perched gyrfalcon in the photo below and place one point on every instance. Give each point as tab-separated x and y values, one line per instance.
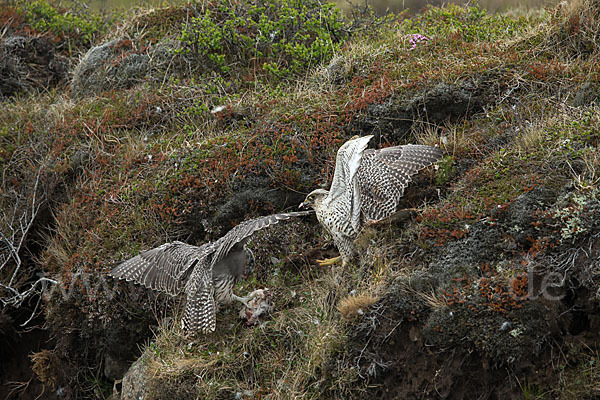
367	186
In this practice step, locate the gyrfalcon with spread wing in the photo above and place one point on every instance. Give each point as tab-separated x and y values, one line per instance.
367	186
206	273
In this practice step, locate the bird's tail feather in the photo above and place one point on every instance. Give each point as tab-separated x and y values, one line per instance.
200	311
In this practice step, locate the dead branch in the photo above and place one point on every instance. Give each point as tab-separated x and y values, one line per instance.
23	206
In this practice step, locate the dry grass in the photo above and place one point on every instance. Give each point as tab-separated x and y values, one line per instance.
579	24
589	178
42	365
433	299
567	135
294	345
572	31
354	306
61	244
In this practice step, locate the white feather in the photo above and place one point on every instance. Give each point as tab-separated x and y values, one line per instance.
345	189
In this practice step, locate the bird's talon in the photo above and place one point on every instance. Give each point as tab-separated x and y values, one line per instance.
329	261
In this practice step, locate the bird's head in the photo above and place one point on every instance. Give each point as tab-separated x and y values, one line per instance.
314	199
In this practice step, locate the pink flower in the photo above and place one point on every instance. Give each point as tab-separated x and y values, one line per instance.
416	38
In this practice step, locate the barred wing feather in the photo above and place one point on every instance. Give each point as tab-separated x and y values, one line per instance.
163	268
245	229
384	174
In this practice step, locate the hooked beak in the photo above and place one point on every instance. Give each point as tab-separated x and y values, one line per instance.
303	206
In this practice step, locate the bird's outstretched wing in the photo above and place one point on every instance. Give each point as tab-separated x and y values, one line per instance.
163	268
245	229
343	194
383	175
200	311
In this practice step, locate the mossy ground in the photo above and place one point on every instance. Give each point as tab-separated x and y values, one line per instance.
454	302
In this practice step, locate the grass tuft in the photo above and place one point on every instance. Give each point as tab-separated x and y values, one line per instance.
354	306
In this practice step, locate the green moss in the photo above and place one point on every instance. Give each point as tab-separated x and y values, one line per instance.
445	170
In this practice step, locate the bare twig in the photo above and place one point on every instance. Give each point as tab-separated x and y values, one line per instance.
15	227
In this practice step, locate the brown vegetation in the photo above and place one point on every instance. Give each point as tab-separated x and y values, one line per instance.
491	291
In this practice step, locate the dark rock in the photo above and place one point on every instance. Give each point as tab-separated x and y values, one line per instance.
253	190
450	101
521	214
134	382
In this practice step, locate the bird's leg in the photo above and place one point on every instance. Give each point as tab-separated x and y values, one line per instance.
329	261
244	300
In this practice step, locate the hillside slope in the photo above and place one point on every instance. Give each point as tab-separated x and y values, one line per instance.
119	133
